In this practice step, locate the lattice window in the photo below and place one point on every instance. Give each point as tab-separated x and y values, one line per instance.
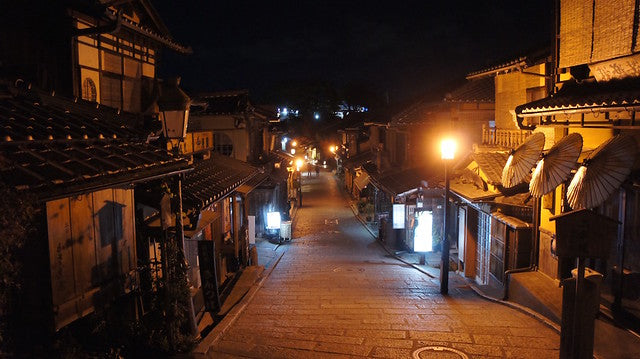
222	144
89	90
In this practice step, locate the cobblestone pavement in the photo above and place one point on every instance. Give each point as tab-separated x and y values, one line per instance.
335	294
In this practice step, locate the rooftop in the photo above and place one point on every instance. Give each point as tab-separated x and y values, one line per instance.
213	179
621	95
55	147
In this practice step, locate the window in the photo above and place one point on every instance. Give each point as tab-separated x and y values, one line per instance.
89	91
222	144
110	92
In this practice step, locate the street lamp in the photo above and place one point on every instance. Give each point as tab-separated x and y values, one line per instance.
174	110
447	150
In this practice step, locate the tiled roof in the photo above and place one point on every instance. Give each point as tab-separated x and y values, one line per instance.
213	179
491	164
55	169
480	90
416	113
33	116
395	182
221	103
588	96
56	147
358	160
471	191
518	63
163	38
534	57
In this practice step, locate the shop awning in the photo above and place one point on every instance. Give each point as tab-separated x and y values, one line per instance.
361	181
254	182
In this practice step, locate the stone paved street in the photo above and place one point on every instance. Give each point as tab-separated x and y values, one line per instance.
336	293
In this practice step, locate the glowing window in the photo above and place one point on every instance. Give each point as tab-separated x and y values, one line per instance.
89	91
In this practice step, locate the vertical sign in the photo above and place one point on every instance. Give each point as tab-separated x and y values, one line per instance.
398	216
252	229
208	276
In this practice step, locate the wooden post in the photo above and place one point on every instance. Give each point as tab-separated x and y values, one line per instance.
193	327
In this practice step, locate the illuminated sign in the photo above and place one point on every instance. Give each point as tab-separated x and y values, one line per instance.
273	220
398	216
423	234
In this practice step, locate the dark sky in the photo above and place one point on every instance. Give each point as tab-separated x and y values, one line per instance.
405	48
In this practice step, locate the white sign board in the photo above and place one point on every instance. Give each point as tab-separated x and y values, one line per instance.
252	229
423	234
398	216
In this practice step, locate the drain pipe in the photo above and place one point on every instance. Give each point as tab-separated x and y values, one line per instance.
533	259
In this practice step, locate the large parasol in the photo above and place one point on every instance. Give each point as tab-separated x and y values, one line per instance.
602	172
522	159
556	166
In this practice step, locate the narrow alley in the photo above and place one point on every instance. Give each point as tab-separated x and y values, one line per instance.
337	293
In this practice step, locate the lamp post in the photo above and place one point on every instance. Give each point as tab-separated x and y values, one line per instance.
448	149
173	106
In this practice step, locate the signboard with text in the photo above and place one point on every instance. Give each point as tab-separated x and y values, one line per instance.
398	216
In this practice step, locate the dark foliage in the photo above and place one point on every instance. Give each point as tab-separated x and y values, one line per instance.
17	213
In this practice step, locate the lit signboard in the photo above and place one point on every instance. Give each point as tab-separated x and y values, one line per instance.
273	220
423	234
398	216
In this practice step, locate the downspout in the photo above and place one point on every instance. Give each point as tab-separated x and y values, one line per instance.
533	264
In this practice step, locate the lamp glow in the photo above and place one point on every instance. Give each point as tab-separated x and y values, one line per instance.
332	149
299	164
448	149
293	151
294	143
273	220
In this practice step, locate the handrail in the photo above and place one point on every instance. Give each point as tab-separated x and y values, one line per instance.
503	137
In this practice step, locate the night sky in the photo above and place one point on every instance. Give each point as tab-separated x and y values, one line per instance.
405	49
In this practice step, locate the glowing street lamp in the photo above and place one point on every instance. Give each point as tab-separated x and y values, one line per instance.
299	163
332	149
293	151
294	143
448	151
448	148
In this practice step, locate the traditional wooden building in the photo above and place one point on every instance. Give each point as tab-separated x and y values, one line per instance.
240	130
88	147
83	164
594	99
100	51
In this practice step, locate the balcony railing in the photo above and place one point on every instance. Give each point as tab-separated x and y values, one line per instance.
504	138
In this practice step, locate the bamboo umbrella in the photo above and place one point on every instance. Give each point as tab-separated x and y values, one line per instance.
522	159
556	166
602	172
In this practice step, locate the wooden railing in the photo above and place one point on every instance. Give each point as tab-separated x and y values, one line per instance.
504	138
